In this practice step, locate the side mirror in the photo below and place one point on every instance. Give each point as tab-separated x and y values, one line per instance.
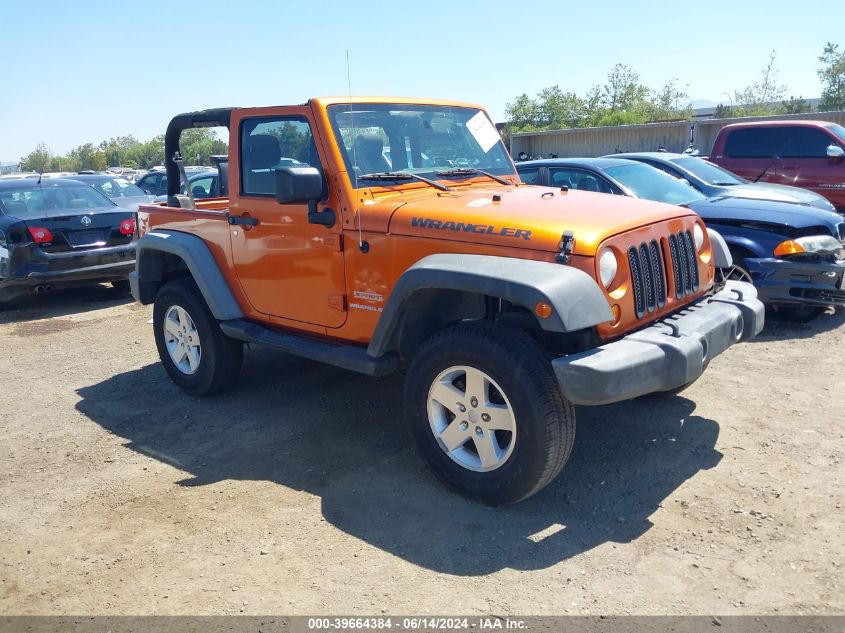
298	185
834	151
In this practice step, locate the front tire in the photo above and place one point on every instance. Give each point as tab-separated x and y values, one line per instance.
196	354
488	417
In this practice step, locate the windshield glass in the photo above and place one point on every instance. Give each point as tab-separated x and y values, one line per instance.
117	188
652	184
838	131
37	202
708	172
418	139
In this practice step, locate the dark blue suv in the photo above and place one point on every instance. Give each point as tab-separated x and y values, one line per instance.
793	253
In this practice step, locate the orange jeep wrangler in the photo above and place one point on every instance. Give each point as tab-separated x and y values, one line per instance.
383	235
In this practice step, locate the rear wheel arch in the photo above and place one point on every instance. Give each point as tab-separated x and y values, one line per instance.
166	255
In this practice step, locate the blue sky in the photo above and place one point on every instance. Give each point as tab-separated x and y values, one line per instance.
81	71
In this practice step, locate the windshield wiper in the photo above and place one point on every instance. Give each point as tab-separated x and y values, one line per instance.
401	175
724	184
472	172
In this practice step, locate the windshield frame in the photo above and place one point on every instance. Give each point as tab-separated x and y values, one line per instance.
505	170
612	171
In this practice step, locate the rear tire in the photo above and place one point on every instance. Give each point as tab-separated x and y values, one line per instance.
196	354
484	407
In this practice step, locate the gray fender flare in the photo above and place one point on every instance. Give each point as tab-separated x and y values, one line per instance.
722	257
149	270
576	299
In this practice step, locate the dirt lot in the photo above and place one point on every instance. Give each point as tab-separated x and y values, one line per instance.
299	493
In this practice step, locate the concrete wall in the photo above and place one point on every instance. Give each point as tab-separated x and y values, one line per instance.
674	136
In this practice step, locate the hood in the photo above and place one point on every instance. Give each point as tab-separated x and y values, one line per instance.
778	193
524	217
785	213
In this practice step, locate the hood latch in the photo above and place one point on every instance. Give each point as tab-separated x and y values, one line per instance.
567	243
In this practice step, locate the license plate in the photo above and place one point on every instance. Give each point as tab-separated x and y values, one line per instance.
86	238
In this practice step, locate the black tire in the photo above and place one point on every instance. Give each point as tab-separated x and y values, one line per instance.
221	357
544	419
798	313
122	285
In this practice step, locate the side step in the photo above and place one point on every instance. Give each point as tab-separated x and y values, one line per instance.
348	357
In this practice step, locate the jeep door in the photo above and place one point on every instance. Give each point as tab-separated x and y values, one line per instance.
286	266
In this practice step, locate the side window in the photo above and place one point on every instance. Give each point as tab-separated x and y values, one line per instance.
805	142
530	176
267	143
563	177
202	187
752	143
579	179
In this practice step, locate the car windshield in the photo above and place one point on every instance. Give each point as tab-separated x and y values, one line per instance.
117	188
35	201
708	172
652	184
838	131
425	140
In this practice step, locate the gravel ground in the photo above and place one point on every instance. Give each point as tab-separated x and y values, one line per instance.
299	492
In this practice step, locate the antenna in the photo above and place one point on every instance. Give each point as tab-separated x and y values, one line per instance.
362	245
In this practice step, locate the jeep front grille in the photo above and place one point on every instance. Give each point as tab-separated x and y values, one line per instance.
684	267
648	276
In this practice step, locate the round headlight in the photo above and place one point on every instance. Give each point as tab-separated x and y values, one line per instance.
698	236
607	267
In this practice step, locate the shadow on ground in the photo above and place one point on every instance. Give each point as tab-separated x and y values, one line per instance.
340	436
779	328
63	302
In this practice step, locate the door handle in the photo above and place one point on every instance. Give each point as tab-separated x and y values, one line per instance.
243	220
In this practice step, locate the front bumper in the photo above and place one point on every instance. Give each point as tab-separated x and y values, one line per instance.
665	355
798	281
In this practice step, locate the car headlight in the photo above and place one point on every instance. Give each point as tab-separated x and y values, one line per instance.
607	267
698	236
810	244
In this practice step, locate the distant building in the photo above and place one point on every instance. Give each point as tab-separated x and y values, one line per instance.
9	168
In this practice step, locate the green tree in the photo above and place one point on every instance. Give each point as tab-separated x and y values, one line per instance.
623	92
832	76
202	143
760	98
149	154
523	114
670	102
723	112
37	160
119	151
559	109
795	105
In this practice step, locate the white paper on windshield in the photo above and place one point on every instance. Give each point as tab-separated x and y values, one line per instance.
483	131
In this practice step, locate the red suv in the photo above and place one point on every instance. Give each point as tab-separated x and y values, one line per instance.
808	154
